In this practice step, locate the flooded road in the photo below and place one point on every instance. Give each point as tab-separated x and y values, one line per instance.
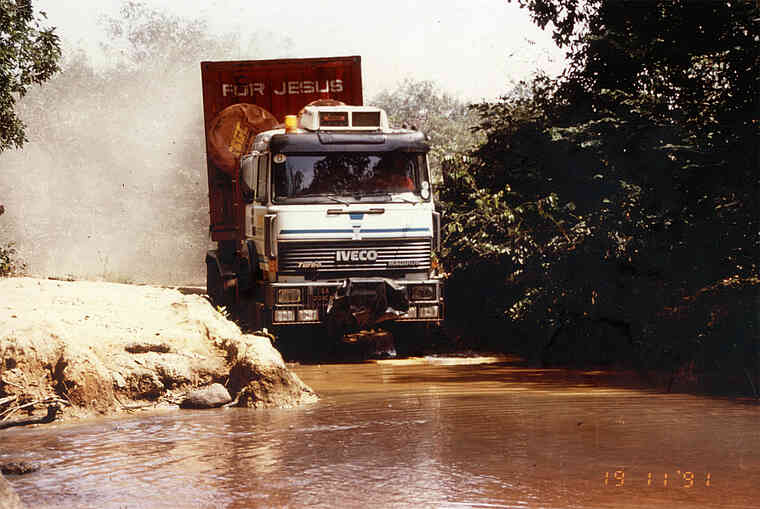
434	432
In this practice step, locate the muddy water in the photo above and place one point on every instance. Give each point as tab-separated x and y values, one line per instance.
416	433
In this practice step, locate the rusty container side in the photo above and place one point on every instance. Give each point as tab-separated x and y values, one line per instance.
281	87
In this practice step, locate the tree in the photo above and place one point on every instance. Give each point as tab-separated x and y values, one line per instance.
29	55
648	143
446	120
148	38
662	49
669	103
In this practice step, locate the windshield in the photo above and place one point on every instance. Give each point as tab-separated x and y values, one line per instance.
346	174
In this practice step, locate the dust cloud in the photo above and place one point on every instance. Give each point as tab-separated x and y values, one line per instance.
112	183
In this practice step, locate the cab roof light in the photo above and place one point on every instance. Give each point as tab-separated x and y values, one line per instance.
291	123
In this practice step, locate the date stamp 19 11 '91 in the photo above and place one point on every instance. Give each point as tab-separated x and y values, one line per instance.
677	479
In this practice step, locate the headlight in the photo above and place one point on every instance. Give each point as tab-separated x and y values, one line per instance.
284	315
288	295
427	312
307	315
422	292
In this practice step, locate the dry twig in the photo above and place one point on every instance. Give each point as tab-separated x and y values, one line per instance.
9	399
15	409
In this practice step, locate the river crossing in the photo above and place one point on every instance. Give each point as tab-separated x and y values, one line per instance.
430	432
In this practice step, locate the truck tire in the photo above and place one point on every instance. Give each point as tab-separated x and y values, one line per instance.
251	314
250	273
218	296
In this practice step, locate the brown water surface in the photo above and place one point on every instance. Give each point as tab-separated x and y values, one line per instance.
434	432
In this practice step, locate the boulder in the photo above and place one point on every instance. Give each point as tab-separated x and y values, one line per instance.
211	396
260	377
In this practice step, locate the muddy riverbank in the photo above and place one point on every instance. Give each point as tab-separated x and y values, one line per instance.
94	348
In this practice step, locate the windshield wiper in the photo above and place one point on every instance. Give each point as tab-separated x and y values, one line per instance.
390	196
333	198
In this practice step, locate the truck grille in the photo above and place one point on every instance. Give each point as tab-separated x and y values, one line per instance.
360	257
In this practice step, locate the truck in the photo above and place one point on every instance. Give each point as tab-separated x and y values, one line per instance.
322	214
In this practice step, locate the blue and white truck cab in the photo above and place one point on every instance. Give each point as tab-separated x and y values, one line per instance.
340	225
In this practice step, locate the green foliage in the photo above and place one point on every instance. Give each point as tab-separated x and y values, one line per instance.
603	198
447	121
659	60
29	55
223	310
10	265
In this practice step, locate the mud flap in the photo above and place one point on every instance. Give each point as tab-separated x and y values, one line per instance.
360	304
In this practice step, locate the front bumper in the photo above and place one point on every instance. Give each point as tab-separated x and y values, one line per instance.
308	302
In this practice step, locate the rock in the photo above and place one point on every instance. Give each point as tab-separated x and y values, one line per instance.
259	376
8	497
211	396
19	467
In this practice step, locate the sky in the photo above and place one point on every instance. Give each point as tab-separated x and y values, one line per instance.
473	50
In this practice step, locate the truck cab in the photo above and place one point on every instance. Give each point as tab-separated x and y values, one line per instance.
340	225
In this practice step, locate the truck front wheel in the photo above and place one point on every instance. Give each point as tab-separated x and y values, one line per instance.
215	288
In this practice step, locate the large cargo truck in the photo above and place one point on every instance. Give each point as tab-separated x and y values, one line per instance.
321	212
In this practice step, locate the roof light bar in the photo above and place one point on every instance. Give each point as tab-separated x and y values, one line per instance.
343	118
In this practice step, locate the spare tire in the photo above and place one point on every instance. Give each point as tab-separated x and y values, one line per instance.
232	131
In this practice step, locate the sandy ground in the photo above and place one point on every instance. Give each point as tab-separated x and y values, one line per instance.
97	348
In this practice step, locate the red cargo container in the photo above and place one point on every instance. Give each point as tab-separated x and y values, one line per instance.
282	87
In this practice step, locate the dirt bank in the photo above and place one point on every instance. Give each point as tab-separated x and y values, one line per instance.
102	348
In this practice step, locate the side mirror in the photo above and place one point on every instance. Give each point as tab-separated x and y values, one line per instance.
425	190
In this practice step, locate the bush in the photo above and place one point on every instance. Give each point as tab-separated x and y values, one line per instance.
9	262
610	238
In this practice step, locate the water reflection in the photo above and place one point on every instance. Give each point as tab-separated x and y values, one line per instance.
416	433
